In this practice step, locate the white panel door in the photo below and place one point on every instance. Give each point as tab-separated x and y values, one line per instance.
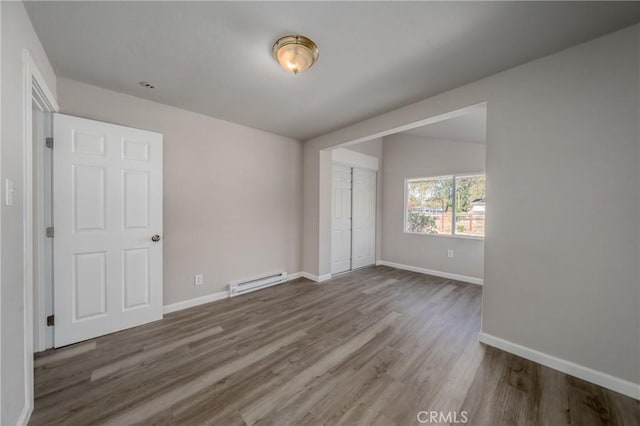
341	220
107	215
364	218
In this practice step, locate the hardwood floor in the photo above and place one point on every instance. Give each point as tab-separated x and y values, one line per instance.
374	347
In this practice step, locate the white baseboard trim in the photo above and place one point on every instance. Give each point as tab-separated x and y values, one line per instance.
186	304
294	276
472	280
310	276
25	415
324	277
316	278
585	373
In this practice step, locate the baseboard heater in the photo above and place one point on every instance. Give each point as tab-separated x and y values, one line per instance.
242	287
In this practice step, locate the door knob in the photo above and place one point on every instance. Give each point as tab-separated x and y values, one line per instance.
155	238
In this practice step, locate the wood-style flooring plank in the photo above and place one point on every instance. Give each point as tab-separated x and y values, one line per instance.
372	347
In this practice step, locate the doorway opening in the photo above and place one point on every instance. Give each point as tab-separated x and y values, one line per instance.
42	139
430	197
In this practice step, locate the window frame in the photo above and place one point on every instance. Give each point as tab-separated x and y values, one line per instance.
452	233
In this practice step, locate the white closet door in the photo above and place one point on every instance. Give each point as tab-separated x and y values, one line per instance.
341	220
107	215
364	218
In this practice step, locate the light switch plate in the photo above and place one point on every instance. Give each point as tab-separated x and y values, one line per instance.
9	190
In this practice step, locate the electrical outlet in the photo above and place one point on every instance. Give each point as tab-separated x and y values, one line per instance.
450	253
198	279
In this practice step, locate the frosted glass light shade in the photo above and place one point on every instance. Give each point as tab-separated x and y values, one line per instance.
295	53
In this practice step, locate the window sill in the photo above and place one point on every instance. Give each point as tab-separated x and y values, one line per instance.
456	236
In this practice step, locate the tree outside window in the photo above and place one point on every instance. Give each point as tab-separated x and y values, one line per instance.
431	202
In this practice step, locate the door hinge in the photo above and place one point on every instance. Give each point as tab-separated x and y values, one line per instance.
48	142
51	320
50	232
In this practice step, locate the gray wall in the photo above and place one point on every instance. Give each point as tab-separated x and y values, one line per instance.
410	156
17	34
232	194
559	130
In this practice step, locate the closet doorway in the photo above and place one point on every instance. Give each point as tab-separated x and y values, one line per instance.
353	222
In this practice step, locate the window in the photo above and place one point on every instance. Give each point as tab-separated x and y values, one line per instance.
431	202
430	205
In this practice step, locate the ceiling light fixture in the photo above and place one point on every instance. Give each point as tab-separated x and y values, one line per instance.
295	53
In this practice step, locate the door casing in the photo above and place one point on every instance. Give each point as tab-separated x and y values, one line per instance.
35	90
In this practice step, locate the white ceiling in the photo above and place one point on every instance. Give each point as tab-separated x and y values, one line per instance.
215	57
470	127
